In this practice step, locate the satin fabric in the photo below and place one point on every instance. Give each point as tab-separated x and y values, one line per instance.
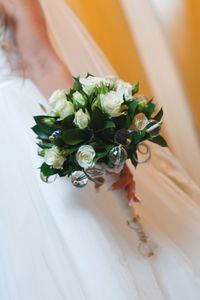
59	242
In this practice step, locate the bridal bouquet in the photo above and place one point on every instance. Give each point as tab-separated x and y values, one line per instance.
94	128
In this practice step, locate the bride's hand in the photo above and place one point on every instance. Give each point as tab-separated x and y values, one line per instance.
125	182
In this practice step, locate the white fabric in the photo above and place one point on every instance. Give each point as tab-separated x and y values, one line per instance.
165	82
64	27
61	243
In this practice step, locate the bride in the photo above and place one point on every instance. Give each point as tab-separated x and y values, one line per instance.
57	242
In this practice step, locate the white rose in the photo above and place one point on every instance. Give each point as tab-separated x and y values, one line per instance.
111	103
56	96
59	106
53	158
85	156
91	81
67	110
125	89
78	100
82	118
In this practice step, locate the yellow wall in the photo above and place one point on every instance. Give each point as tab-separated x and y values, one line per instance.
105	21
180	20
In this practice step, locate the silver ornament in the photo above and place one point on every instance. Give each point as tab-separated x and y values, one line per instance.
140	121
142	102
55	135
118	155
116	169
79	179
96	171
153	128
142	150
48	179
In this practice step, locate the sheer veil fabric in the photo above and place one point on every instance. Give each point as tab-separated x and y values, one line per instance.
65	26
164	79
61	243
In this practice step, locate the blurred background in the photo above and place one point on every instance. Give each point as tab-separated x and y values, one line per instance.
179	22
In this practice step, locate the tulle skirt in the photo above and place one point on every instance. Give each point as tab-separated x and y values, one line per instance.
59	242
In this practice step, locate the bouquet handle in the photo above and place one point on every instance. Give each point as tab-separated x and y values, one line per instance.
132	218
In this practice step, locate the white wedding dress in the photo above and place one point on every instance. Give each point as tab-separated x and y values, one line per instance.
62	243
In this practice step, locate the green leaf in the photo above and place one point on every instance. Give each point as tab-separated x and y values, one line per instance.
41	135
68	123
95	103
127	123
46	124
122	121
159	140
109	124
149	109
135	88
68	150
159	115
101	89
109	147
100	155
76	136
70	165
77	85
69	95
45	145
98	120
133	159
132	106
41	152
89	74
47	170
68	169
138	136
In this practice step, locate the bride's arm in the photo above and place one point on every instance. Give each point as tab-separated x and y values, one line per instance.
41	62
